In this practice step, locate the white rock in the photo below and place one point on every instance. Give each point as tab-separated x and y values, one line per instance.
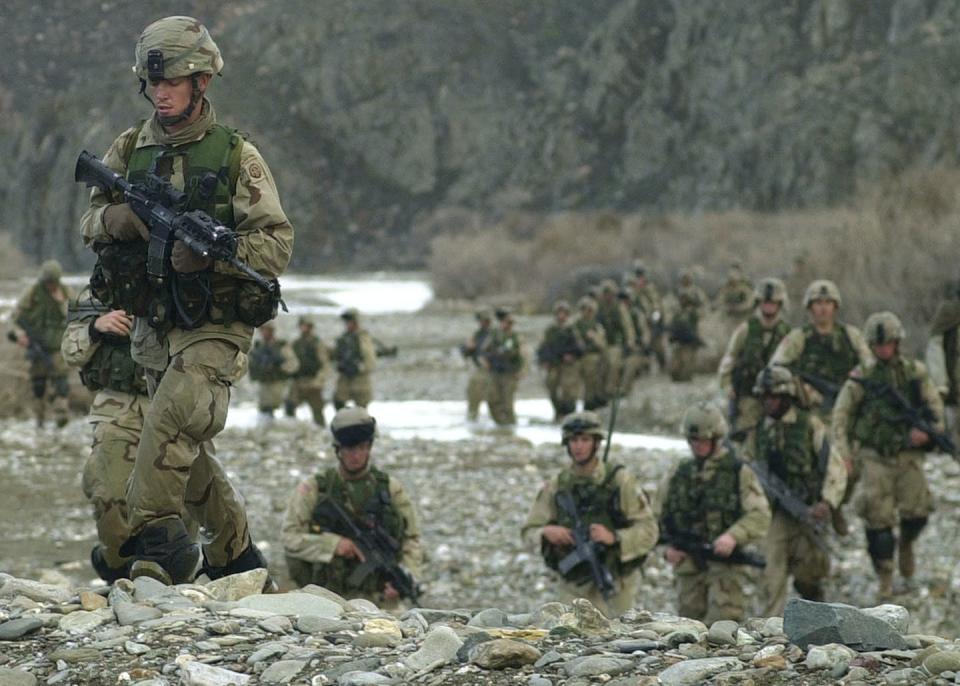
693	672
42	593
199	674
440	645
238	586
828	656
81	621
293	605
895	615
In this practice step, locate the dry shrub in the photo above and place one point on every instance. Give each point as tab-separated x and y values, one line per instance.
487	262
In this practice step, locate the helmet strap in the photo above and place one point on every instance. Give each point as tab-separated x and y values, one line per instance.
196	96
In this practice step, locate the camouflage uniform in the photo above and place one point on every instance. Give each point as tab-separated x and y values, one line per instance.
609	495
592	365
685	329
868	424
199	365
636	360
615	318
943	355
647	299
559	353
306	386
504	358
478	385
355	357
709	497
372	494
272	363
43	312
736	296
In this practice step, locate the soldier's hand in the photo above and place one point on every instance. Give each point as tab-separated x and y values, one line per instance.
601	534
23	340
122	223
348	549
557	535
820	511
115	322
724	545
918	438
389	592
185	261
848	464
674	556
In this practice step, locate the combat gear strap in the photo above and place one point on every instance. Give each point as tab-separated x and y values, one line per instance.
706	508
786	448
879	424
831	356
755	354
112	367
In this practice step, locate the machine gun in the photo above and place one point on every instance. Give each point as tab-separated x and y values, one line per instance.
701	550
584	550
379	550
780	494
160	205
35	351
822	385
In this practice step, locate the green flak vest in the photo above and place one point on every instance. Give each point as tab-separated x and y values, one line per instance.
44	317
557	342
787	449
266	362
584	327
879	424
348	354
609	317
596	503
755	354
706	508
111	366
504	353
364	500
831	356
308	355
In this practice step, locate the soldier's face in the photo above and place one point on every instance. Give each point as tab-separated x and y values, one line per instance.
823	311
884	351
172	96
562	316
769	308
774	405
701	447
354	458
582	448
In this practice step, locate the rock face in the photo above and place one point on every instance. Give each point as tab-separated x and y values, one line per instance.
809	623
373	114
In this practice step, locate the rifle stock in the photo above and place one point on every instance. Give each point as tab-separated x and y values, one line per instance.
701	551
584	550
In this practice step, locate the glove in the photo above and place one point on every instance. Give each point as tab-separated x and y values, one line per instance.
122	223
185	261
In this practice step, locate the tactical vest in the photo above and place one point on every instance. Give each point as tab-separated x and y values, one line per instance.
306	350
211	168
266	362
44	319
706	508
596	503
879	424
504	353
366	501
348	353
831	356
788	451
755	354
609	317
557	342
111	366
585	327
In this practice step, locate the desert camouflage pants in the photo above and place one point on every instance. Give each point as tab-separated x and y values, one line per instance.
174	469
50	387
614	369
478	388
621	600
893	489
592	376
563	385
357	388
307	391
503	387
790	552
749	414
715	593
270	395
682	361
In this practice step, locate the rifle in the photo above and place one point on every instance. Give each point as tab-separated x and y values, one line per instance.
159	204
378	547
35	351
917	418
584	550
733	411
382	349
824	386
701	551
780	494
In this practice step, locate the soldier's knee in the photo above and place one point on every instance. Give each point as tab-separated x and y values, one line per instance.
910	528
881	544
39	386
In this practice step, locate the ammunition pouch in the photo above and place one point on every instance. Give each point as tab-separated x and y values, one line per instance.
200	297
119	278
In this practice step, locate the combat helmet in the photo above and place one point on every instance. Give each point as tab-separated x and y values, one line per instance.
561	305
587	303
704	421
775	380
883	327
50	271
822	289
352	426
350	314
771	289
173	47
585	422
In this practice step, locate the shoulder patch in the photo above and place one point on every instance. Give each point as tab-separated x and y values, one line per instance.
255	170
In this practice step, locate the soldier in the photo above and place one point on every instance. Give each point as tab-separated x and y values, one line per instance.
504	359
559	354
822	354
612	509
943	353
272	362
97	341
592	361
685	327
869	421
198	345
478	385
318	549
636	359
717	498
356	358
306	386
749	350
792	443
615	318
647	299
736	296
39	321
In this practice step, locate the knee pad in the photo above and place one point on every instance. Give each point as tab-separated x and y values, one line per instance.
39	386
881	544
910	528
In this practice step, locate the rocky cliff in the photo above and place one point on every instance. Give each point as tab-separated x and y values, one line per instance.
374	114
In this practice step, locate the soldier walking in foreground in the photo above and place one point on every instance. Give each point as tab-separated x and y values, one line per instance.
39	321
889	413
595	510
355	357
306	386
352	528
199	345
504	358
559	354
791	445
478	385
715	499
272	363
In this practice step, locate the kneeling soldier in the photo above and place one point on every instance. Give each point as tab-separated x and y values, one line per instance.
592	523
352	528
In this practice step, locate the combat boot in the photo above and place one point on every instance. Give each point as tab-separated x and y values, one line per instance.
809	590
103	568
165	552
250	558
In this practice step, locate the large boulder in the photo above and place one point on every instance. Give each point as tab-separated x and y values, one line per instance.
809	623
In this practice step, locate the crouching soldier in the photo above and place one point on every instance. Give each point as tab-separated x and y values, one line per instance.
592	523
352	528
